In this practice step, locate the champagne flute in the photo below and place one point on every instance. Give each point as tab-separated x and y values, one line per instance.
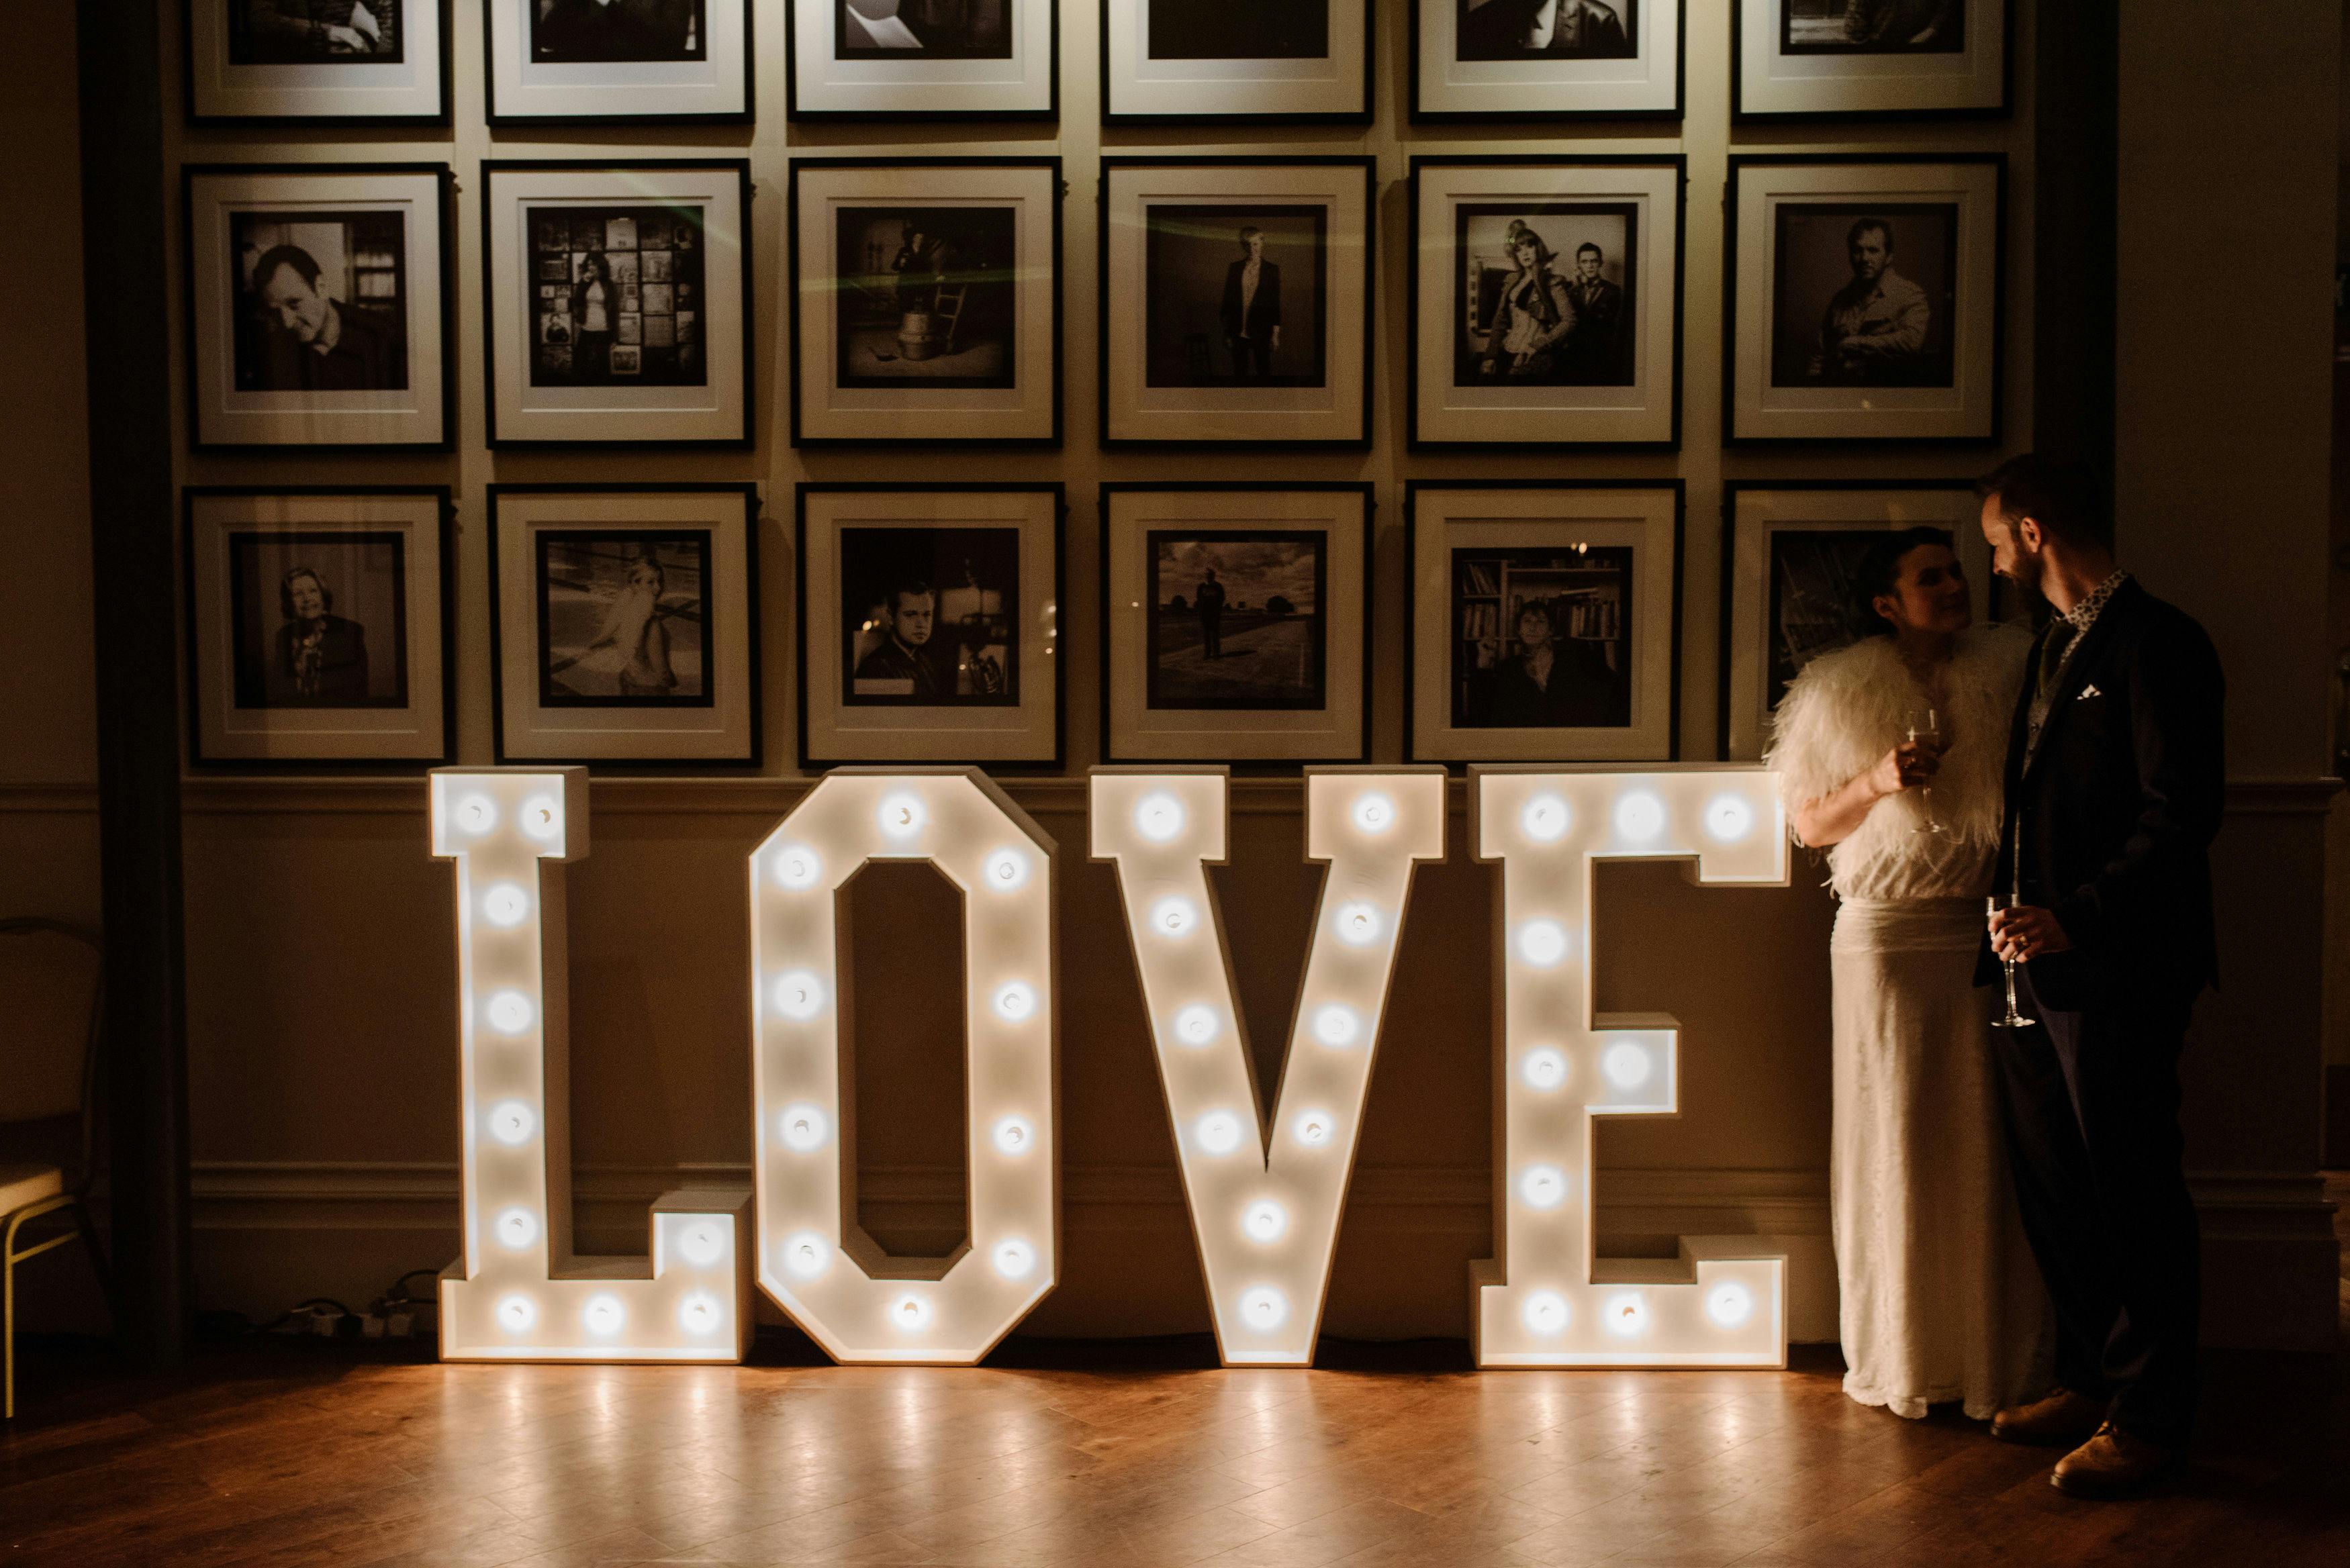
2013	1019
1932	730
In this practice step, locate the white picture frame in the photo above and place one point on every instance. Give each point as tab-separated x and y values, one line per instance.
1462	391
1450	528
1449	88
529	404
711	86
1776	74
384	247
1333	88
234	79
1770	531
825	81
1791	219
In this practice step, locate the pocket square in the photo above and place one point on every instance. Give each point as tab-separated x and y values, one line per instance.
2087	692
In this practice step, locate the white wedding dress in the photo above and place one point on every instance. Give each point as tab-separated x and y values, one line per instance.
1939	1298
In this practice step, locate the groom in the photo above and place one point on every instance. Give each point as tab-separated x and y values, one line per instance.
2113	782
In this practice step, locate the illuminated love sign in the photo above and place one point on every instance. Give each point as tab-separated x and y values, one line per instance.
518	1293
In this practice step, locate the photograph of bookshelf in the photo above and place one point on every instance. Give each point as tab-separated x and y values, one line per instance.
1581	588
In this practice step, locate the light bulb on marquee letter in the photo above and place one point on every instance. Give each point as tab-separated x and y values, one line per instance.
1265	1208
518	1293
815	1262
1543	1300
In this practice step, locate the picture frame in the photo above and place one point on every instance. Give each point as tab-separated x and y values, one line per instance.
840	67
1175	235
1477	61
1830	336
321	626
393	68
653	250
345	342
1786	545
627	62
926	301
1214	62
1292	574
624	624
1497	356
1871	59
927	623
1494	568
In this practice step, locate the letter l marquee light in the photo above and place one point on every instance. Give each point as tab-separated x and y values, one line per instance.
815	1260
1544	1300
1265	1210
518	1293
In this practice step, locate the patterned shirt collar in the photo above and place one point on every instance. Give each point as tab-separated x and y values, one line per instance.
2083	615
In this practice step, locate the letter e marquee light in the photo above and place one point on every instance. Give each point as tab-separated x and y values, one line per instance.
1544	1300
1265	1208
816	1263
518	1293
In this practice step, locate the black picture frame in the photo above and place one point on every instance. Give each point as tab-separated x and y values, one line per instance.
1053	488
1416	115
794	114
1369	167
747	115
1739	163
191	629
446	211
1741	115
1368	115
491	168
749	492
445	118
1363	488
792	346
1677	162
1411	492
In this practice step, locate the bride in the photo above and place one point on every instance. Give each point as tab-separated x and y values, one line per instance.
1890	754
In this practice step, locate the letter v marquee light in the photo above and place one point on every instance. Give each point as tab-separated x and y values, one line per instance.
518	1293
1544	1300
1265	1210
814	1260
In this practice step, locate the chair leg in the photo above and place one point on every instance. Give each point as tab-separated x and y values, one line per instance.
9	1317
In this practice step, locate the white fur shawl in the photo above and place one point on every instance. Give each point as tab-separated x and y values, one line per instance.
1848	708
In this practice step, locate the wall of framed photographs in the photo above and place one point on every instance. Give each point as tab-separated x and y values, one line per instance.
1348	283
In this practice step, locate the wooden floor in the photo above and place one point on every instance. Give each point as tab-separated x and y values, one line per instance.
309	1453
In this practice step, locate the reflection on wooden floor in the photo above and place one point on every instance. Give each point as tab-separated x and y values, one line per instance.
311	1454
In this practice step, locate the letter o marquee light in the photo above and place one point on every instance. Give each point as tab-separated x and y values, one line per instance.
1543	1300
815	1260
518	1293
1265	1208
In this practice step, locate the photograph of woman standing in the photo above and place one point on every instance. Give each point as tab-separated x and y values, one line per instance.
1890	753
1534	316
594	303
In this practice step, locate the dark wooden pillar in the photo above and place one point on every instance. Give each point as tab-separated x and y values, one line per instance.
2075	161
124	277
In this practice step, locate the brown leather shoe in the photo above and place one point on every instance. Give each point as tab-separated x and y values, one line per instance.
2061	1416
2112	1464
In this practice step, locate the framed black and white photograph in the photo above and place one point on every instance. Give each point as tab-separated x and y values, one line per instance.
586	62
1870	60
618	303
1236	622
922	59
1292	62
624	623
1235	301
320	626
317	62
1545	301
319	305
1864	298
928	623
1547	59
926	300
1790	549
1545	621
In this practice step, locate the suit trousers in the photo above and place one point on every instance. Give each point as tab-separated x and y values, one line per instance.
2089	1103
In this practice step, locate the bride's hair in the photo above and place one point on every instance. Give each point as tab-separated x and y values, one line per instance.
1880	569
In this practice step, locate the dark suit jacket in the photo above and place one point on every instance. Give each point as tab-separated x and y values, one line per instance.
2117	805
1265	307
